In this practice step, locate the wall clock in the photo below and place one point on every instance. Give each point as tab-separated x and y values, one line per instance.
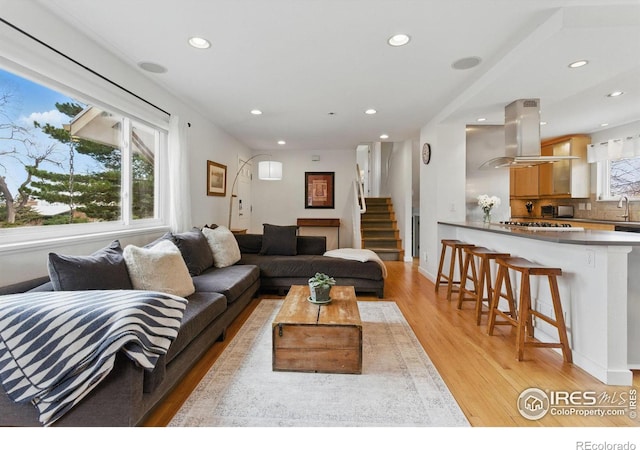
426	153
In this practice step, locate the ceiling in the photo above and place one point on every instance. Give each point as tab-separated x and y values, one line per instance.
314	66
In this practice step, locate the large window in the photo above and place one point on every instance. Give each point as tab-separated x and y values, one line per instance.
618	178
63	161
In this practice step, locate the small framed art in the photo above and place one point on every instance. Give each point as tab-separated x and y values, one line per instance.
319	190
216	179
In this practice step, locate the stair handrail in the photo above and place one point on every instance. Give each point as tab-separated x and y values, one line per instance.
362	203
357	233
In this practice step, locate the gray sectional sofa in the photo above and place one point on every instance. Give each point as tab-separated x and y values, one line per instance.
279	272
128	394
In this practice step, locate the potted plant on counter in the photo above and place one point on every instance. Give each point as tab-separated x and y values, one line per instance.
319	287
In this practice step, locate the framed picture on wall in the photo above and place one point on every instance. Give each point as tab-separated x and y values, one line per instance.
216	179
319	190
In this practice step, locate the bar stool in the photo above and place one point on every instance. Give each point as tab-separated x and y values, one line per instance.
456	248
480	277
523	322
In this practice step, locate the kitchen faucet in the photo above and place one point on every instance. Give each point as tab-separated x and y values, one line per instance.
626	209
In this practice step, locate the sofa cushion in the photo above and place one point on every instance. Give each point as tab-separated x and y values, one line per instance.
279	266
195	250
159	268
229	281
166	236
249	243
104	269
224	246
202	309
279	240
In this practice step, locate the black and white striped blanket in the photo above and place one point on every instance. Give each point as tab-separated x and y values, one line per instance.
55	347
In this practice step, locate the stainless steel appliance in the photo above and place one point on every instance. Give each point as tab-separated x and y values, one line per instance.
548	211
564	211
522	137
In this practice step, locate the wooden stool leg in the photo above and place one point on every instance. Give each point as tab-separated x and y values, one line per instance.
495	299
463	279
469	263
523	315
562	329
451	272
442	254
484	279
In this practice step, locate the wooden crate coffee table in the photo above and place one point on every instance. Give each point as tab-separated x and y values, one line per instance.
318	338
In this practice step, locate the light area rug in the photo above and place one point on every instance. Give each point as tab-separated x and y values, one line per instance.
398	387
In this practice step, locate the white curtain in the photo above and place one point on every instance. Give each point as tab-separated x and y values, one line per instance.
179	194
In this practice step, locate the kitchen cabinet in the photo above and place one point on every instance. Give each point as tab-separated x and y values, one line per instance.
524	182
565	179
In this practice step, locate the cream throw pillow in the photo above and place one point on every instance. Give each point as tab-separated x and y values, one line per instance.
224	246
159	268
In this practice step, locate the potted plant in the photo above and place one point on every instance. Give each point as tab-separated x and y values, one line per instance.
319	287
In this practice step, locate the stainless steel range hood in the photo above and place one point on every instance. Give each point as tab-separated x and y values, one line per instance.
522	137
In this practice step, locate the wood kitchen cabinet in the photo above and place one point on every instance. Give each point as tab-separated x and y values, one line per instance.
565	179
524	182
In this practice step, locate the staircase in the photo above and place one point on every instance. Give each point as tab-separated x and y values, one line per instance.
379	229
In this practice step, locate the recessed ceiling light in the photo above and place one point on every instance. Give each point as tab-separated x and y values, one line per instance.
576	64
199	42
615	94
481	119
466	63
370	111
543	123
398	40
256	112
152	67
604	124
281	142
384	136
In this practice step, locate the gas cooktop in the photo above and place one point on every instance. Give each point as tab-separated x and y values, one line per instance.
541	226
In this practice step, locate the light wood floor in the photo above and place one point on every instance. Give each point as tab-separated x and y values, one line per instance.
480	370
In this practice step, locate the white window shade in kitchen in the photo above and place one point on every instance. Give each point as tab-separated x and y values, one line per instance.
613	149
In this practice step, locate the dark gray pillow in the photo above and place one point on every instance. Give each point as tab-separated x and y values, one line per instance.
104	269
279	240
195	250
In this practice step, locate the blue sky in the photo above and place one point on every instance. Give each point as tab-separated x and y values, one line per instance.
29	101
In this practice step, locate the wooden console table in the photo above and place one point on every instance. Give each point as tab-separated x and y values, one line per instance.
332	223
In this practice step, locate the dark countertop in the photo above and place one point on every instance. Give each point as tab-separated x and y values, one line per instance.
586	237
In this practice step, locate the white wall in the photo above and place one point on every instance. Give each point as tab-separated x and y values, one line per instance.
205	139
282	202
442	188
396	183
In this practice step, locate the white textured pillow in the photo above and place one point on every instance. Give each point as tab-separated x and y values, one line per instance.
158	268
224	246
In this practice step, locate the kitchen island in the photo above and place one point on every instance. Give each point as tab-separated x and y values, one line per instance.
599	288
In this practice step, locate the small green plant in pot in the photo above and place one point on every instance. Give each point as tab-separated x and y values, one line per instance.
319	287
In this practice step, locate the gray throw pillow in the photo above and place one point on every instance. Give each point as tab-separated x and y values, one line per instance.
104	269
279	240
195	250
